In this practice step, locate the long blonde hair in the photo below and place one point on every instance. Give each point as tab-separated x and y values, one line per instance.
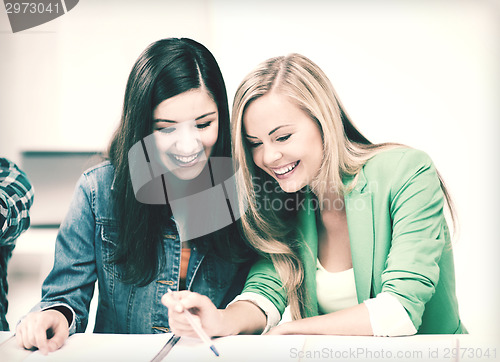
346	151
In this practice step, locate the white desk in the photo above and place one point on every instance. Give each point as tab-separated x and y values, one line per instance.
107	347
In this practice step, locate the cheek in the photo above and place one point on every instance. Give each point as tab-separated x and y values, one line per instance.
163	143
316	159
209	137
256	156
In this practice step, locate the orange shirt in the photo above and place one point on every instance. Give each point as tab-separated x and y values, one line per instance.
185	254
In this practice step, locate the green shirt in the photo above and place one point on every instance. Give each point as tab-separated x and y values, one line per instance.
399	239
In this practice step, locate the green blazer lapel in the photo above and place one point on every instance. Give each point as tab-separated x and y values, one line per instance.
359	212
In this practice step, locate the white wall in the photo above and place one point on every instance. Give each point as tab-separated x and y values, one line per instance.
63	82
418	72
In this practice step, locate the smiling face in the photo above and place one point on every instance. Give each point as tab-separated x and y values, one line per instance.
285	142
185	130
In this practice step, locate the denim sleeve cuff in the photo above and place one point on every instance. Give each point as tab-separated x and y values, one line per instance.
271	312
72	326
388	317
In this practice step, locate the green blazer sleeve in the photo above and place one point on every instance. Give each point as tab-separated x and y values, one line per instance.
419	233
264	280
406	250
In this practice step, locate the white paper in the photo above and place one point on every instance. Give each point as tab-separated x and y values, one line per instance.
90	347
239	348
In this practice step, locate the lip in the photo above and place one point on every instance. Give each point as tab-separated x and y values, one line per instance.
185	161
287	174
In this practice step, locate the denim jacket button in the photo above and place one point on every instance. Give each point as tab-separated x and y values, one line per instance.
162	329
166	282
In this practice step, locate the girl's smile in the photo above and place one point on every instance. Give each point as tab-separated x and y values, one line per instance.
285	171
186	161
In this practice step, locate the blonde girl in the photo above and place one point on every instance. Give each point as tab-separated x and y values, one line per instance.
352	235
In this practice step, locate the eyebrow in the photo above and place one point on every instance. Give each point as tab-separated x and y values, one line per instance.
196	119
270	133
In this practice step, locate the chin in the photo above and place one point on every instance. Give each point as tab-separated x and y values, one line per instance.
290	187
188	173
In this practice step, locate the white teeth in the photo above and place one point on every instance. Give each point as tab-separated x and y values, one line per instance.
185	159
285	169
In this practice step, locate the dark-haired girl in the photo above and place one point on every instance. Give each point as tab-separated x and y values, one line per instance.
122	229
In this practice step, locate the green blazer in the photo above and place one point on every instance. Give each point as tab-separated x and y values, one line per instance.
399	239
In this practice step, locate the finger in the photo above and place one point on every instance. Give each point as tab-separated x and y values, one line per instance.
169	298
20	332
24	331
61	333
196	319
29	338
184	331
196	302
175	318
180	294
172	304
181	325
190	300
40	337
166	299
171	301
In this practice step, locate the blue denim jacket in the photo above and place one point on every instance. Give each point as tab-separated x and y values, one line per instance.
84	246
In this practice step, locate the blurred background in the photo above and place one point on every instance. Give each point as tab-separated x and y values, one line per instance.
423	73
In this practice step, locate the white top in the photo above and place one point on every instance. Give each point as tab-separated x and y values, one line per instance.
335	291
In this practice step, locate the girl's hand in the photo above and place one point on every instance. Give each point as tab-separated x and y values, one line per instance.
46	330
200	306
285	328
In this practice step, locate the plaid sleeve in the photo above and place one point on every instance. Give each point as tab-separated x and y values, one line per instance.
16	197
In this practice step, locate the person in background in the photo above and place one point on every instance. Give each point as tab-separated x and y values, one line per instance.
353	234
176	119
16	198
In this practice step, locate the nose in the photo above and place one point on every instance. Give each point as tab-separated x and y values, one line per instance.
188	141
271	154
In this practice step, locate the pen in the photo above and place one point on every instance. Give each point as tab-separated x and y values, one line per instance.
197	328
166	348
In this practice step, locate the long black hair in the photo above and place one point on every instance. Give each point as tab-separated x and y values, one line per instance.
166	68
